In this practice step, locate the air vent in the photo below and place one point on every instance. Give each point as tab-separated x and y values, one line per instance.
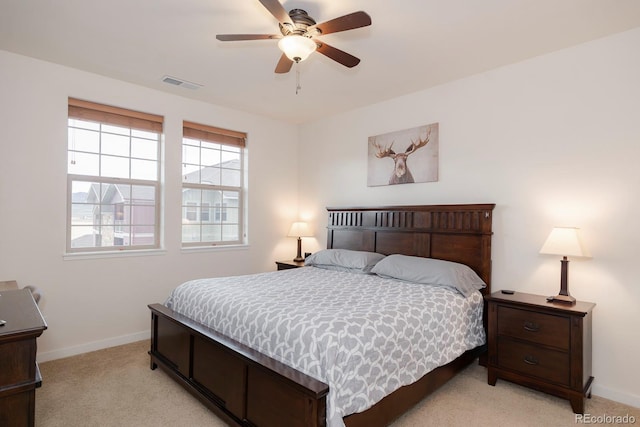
182	83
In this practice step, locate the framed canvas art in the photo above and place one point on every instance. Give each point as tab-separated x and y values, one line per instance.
403	157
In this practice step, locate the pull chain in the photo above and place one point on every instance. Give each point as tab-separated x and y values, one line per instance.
298	87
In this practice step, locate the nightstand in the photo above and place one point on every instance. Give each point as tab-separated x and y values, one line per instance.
542	345
285	265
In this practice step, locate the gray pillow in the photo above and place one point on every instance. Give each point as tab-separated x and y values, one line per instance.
344	260
430	271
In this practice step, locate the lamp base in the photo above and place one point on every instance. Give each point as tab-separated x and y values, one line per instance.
298	257
564	299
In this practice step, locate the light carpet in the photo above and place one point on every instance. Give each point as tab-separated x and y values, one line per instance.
115	387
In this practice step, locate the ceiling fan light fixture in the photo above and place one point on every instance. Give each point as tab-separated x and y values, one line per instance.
296	47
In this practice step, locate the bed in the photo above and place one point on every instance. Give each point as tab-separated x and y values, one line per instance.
248	387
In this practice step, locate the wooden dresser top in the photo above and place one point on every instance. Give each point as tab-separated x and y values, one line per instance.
21	313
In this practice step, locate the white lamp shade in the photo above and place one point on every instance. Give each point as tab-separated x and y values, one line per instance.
564	241
299	229
297	48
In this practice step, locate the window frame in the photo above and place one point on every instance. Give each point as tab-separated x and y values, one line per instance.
133	120
233	140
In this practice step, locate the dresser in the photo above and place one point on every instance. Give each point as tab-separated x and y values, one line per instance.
542	345
19	374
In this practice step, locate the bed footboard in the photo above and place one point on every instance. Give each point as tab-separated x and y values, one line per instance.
241	385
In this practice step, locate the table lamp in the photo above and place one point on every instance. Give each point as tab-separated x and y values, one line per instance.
564	241
299	229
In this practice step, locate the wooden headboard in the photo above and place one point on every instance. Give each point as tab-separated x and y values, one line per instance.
460	233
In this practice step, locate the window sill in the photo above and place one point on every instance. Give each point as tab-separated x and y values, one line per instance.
214	248
112	254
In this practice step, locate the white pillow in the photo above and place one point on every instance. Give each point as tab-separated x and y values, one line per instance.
344	260
430	271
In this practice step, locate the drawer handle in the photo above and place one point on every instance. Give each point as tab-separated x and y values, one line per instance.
530	360
531	327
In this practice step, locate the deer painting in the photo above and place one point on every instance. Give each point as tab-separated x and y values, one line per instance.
401	173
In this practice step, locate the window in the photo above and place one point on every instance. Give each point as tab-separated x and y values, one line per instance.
113	178
192	211
204	213
213	178
220	212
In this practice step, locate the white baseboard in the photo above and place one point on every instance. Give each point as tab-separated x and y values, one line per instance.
92	346
616	395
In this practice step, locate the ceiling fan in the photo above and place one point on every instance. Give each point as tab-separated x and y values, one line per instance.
299	32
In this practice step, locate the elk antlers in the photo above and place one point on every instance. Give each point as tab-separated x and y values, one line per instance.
384	152
421	143
388	152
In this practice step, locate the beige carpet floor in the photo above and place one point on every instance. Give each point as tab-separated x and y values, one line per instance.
115	387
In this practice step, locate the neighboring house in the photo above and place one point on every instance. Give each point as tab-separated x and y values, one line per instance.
214	211
123	215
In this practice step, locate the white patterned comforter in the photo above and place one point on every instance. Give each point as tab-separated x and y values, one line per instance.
362	335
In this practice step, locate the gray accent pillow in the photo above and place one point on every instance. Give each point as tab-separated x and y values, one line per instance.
430	271
344	260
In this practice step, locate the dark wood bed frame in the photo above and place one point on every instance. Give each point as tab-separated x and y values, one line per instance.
246	388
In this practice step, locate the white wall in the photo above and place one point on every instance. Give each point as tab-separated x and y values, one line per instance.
95	303
554	140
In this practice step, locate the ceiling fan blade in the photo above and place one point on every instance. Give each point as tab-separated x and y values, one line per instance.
343	23
277	10
237	37
284	65
337	55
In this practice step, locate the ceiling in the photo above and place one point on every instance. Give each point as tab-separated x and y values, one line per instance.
411	45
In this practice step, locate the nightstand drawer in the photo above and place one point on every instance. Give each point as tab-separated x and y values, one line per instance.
549	365
540	328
